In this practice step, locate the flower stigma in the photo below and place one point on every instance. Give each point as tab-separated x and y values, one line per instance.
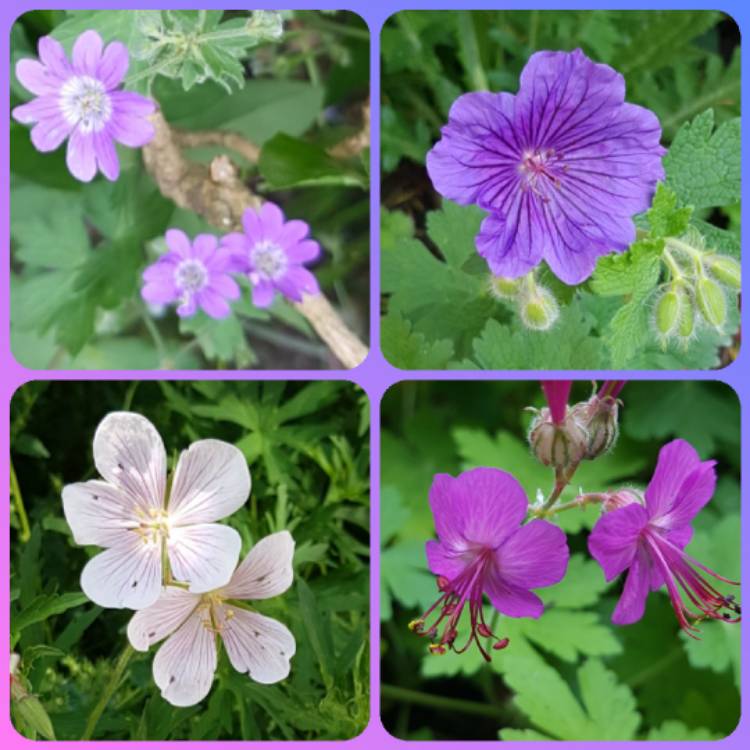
84	102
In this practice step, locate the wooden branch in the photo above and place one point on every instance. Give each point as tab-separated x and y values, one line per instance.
233	141
219	196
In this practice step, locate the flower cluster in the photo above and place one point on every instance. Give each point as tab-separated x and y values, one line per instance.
270	253
491	542
561	167
166	557
81	99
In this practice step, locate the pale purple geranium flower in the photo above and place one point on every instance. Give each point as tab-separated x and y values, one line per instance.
194	274
271	252
648	540
484	549
80	99
260	646
562	166
129	513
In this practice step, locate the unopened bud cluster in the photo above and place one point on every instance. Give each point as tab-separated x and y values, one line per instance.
536	305
697	292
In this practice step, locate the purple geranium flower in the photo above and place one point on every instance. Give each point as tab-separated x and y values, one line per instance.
483	548
79	99
194	274
271	252
562	166
648	540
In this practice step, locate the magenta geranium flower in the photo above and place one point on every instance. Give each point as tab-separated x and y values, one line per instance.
272	252
484	549
648	540
562	166
194	274
80	99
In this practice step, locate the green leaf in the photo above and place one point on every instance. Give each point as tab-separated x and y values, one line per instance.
582	586
43	607
677	731
606	711
664	217
404	576
703	165
290	162
220	340
634	272
408	350
453	230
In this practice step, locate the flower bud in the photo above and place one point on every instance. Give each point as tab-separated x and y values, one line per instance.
559	445
711	301
727	270
502	287
599	417
538	308
621	498
668	311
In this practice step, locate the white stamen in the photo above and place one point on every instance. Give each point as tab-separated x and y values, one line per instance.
191	276
269	260
84	102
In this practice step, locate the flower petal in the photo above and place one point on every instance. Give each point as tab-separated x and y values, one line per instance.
129	123
80	158
37	78
178	242
52	54
296	282
185	665
257	645
614	540
632	602
87	52
443	560
129	453
557	393
213	304
50	132
151	625
266	570
511	600
481	507
535	555
293	233
272	219
211	481
251	223
225	286
106	155
113	65
303	252
681	485
128	575
263	293
97	513
203	555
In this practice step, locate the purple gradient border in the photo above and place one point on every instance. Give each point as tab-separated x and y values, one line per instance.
375	375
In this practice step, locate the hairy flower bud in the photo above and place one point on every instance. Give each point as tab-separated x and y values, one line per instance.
538	308
727	270
621	498
599	417
686	327
668	311
559	445
711	301
503	287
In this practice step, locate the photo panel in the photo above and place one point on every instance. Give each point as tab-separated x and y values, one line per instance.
560	189
559	560
204	178
189	560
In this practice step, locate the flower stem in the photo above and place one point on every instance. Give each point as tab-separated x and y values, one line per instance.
24	533
405	695
562	480
579	502
467	40
108	692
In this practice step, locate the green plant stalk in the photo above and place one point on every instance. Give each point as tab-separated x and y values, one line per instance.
467	40
436	702
562	480
15	491
108	692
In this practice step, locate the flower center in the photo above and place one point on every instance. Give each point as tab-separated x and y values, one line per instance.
269	259
84	102
467	586
539	169
214	614
191	276
153	527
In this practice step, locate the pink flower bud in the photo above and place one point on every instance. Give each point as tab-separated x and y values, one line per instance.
599	416
559	444
621	498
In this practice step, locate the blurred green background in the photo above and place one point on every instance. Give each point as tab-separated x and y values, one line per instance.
307	445
570	675
78	250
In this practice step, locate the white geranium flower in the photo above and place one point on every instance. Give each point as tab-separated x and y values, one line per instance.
257	645
130	514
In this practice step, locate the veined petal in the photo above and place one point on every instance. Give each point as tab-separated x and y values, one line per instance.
52	54
632	602
80	156
535	555
211	481
37	78
97	513
125	576
50	132
257	645
185	665
272	220
114	65
513	601
129	453
614	540
266	570
151	625
87	52
263	293
297	282
106	155
444	561
479	508
203	555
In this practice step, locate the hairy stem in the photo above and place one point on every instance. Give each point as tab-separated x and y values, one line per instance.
562	480
24	533
108	692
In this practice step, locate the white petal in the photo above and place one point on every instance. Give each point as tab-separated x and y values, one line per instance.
97	513
184	666
204	555
266	571
128	575
150	625
211	482
129	453
255	644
